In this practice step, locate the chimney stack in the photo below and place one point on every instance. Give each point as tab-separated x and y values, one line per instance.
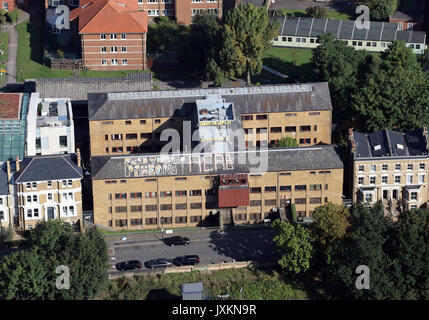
17	163
9	177
352	140
425	135
78	157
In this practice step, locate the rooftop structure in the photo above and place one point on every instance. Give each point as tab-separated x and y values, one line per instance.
388	143
50	128
383	32
167	103
148	165
13	121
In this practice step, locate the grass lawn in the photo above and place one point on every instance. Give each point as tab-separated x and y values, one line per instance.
331	14
256	284
30	57
292	62
4	37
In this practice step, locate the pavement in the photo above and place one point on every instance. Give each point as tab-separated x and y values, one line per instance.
13	49
211	246
343	6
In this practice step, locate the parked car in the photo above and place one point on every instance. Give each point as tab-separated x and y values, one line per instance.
158	263
128	265
190	260
176	241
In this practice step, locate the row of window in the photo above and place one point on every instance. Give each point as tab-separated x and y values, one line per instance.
397	179
313	187
34	213
65	197
113	36
162	194
33	185
112	49
154	221
385	167
114	62
279	129
272	202
265	116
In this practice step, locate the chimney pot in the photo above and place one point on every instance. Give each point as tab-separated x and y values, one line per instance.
17	163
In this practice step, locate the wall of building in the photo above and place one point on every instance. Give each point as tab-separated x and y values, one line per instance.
58	202
196	208
319	123
390	184
135	53
311	42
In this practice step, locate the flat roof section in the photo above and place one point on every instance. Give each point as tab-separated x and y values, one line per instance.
10	104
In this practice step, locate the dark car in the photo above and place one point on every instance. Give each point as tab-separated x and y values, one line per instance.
190	260
177	241
129	265
158	263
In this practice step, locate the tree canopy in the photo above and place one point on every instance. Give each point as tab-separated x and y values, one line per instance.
380	10
286	142
31	274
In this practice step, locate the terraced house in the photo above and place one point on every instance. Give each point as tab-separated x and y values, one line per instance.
303	33
112	34
49	187
125	123
391	167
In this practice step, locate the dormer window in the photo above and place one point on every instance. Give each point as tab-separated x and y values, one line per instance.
377	147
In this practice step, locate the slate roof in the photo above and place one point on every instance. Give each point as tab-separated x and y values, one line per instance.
346	29
42	168
262	99
323	157
4	187
388	143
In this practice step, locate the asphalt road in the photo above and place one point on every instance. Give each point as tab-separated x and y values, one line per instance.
211	246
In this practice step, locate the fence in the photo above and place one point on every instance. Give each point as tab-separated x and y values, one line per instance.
65	64
209	267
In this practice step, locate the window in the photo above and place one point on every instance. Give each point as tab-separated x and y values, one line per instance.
300	187
121	223
285	188
270	202
290	129
120	195
414	196
421	166
410	166
123	36
113	36
270	189
34	185
150	195
372	180
304	141
384	179
165	207
136	208
121	209
196	205
151	207
181	206
255	216
125	62
421	178
360	180
315	187
135	195
113	49
305	128
276	129
255	190
361	168
373	168
49	196
196	219
114	62
261	117
104	49
409	178
300	200
384	167
151	221
255	203
131	136
398	166
157	120
136	222
102	36
180	219
397	179
240	217
142	121
116	136
368	197
165	194
246	117
315	200
103	62
180	193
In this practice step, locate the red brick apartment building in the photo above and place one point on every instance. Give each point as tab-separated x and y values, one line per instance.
9	5
409	15
180	10
112	34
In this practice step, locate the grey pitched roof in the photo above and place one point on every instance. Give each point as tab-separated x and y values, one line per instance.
410	10
42	168
323	157
167	103
346	29
388	143
4	187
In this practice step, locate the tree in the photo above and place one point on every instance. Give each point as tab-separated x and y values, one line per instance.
13	15
338	64
165	35
24	276
249	34
293	243
380	10
286	142
396	95
317	12
53	244
369	235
